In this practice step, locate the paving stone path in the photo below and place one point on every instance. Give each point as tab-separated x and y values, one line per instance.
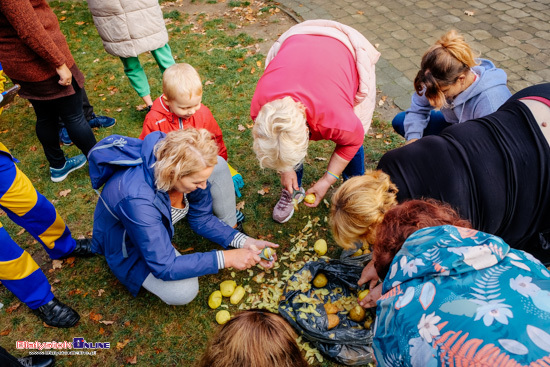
514	34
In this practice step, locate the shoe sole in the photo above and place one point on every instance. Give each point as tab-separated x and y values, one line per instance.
59	179
287	218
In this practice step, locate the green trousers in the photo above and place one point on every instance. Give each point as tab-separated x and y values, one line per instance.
135	73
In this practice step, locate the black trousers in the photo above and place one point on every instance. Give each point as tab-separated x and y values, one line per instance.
69	110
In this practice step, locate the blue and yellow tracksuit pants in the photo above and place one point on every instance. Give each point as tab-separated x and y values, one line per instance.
32	211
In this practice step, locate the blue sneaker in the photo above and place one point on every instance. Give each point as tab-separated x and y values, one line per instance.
64	137
101	121
71	164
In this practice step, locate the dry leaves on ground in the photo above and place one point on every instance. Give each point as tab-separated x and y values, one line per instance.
264	190
57	264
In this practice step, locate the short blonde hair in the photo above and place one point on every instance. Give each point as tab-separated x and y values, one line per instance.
181	80
281	134
358	207
254	338
181	153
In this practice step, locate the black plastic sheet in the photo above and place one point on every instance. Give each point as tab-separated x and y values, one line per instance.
346	343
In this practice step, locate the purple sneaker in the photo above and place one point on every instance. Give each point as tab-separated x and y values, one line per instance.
284	209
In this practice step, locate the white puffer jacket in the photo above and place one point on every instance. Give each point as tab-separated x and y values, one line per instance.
129	27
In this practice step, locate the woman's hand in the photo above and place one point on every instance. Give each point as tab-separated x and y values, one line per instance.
370	276
258	245
241	258
65	75
371	298
289	180
319	190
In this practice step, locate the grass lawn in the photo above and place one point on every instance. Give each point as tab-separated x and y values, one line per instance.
143	330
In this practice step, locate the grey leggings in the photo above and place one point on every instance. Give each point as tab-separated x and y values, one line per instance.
172	292
223	193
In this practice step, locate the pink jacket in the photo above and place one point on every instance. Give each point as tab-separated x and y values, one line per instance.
363	52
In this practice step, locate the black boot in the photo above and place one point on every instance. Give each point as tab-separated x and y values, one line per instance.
55	313
83	248
37	361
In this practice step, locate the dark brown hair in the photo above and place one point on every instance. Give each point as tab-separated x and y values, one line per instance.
442	65
254	338
403	220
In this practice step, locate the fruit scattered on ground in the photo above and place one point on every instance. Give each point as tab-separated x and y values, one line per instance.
368	323
222	317
215	299
333	320
227	287
320	280
357	253
320	247
357	313
237	295
331	308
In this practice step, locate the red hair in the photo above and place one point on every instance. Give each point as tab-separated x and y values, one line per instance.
402	221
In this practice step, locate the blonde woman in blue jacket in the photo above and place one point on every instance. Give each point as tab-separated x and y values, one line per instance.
452	80
141	201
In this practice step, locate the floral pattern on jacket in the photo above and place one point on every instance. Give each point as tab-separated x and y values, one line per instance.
456	296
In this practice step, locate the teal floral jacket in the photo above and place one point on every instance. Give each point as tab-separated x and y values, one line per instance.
460	297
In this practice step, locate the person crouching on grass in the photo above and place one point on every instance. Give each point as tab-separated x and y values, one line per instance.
137	209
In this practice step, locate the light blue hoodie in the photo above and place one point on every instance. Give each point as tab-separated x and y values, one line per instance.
486	94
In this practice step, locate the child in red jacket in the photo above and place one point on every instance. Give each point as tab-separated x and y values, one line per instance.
180	107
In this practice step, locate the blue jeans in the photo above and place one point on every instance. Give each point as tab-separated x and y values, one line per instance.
355	167
436	123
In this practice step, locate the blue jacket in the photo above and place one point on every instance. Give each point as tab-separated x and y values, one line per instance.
483	97
132	220
459	297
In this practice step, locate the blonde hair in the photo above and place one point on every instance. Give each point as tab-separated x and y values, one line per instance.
442	65
281	134
254	338
358	207
181	153
181	80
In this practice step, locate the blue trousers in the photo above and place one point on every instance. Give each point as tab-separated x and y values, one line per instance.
355	167
436	123
32	211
